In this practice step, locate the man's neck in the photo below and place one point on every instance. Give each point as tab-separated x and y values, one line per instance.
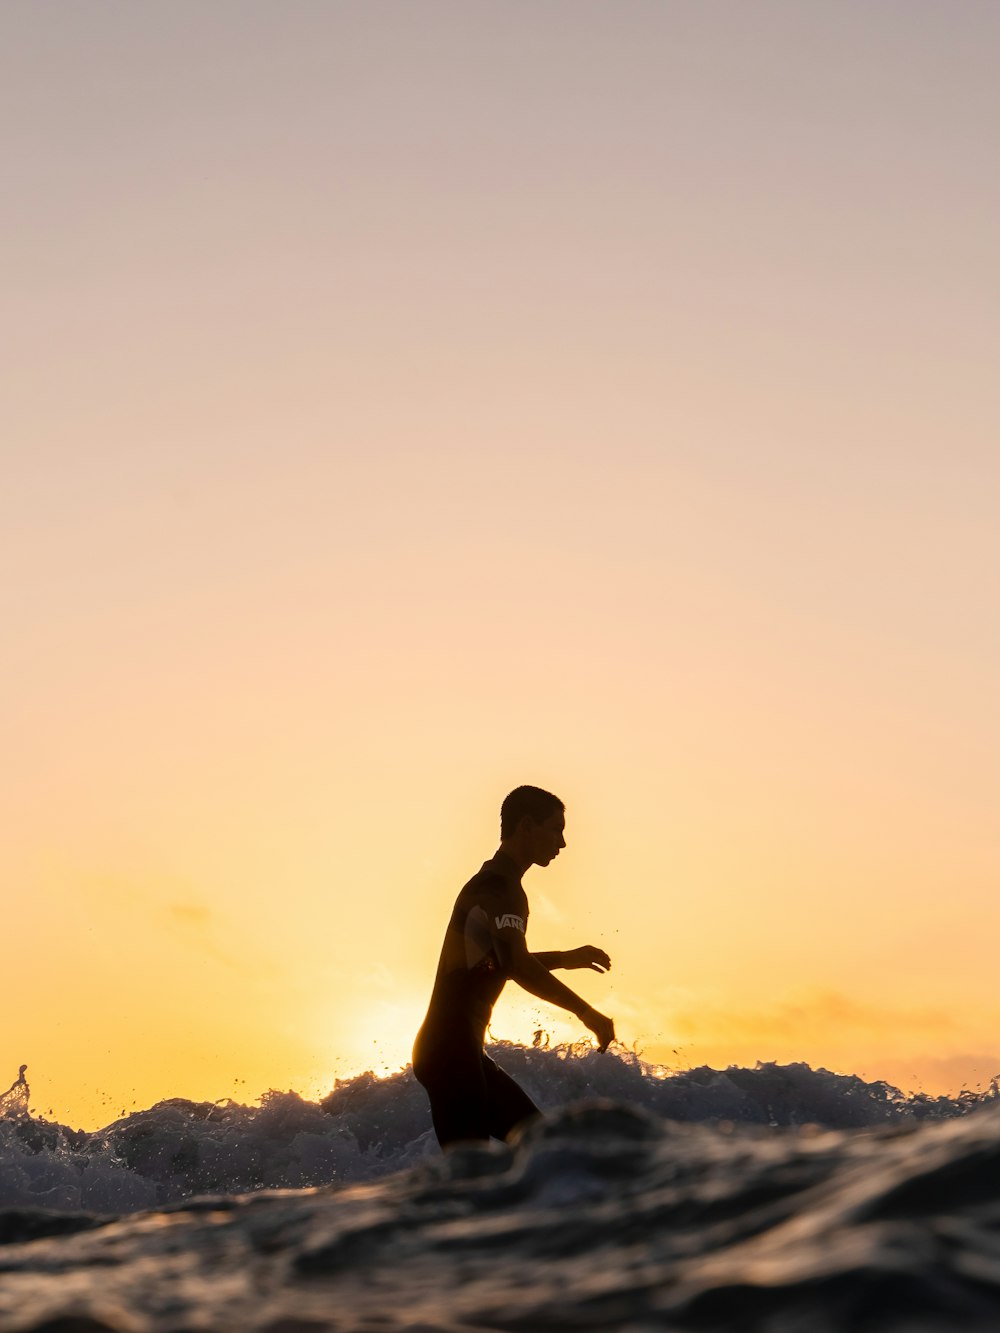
515	856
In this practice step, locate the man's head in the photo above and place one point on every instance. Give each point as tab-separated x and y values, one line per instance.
532	824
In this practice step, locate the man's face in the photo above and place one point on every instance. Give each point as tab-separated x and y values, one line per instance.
547	839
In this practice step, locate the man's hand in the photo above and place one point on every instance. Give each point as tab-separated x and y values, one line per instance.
587	956
602	1028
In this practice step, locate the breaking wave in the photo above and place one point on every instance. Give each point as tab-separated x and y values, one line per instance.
368	1127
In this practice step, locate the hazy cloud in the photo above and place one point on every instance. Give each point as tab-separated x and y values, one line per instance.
192	914
803	1018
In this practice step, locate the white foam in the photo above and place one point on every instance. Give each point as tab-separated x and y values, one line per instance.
369	1126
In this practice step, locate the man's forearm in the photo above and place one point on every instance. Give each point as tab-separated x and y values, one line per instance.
550	960
535	979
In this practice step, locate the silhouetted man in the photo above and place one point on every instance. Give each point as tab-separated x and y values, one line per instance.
484	947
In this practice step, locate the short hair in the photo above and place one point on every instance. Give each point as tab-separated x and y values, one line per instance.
527	802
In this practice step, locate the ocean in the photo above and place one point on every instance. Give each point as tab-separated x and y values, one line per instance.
778	1199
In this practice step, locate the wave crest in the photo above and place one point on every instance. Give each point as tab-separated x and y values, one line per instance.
368	1126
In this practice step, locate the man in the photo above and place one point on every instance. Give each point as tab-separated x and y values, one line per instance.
484	947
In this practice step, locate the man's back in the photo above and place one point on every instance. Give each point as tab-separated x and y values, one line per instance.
474	964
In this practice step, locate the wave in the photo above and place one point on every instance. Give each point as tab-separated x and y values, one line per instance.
604	1215
368	1127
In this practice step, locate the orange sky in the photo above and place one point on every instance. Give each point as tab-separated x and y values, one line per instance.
404	402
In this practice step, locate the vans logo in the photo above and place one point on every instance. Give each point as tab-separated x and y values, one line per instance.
508	919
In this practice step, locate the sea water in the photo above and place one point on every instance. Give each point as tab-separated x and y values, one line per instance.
778	1199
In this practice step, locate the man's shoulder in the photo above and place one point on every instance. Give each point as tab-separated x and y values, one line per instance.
495	878
486	880
497	894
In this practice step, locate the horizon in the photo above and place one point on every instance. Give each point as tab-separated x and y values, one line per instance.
657	1069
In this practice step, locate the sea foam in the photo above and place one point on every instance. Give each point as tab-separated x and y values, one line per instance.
368	1127
602	1216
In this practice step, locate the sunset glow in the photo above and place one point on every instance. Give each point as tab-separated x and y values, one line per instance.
405	402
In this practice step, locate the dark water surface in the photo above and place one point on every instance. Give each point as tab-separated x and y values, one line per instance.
732	1207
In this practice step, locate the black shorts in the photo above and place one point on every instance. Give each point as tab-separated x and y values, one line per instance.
471	1097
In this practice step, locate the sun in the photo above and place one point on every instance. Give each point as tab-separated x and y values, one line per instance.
380	1034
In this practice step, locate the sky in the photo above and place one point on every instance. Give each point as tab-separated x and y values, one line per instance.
401	402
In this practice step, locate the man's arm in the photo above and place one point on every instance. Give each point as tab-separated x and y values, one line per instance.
586	956
550	960
528	972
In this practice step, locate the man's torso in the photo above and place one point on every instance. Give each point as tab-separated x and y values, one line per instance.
473	967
